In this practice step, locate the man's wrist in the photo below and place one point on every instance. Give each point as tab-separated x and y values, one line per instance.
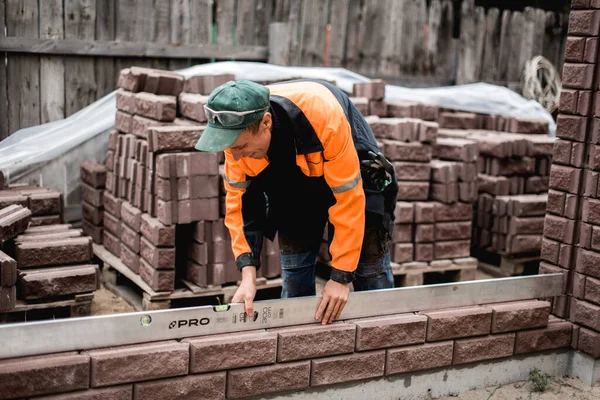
249	273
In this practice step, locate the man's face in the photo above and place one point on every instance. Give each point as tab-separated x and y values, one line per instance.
253	144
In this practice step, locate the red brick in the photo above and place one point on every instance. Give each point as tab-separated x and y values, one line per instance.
187	164
39	375
584	103
93	174
565	178
123	392
141	362
169	138
568	101
187	211
347	368
453	230
230	351
578	76
158	257
574	48
123	122
112	224
389	331
423	252
191	106
419	357
206	386
158	279
575	4
424	212
579	286
519	315
452	249
91	213
49	282
130	258
585	313
140	125
458	323
131	216
556	335
483	348
158	234
126	101
560	229
550	250
67	251
562	152
412	171
372	90
592	290
402	252
590	212
14	220
457	120
112	243
589	342
453	212
585	23
130	238
591	184
402	233
270	379
571	127
160	108
424	233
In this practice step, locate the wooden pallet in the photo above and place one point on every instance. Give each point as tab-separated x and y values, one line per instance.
125	283
439	271
79	305
503	265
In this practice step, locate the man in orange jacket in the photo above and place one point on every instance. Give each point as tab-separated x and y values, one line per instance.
299	154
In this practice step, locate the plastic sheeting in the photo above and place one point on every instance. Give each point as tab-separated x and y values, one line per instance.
28	149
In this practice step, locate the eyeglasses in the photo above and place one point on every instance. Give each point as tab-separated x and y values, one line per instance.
229	118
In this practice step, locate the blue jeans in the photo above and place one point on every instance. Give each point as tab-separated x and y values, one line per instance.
298	274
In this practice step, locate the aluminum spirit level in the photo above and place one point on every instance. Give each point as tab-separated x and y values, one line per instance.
43	337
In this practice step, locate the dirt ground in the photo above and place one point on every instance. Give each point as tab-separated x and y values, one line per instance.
561	388
106	302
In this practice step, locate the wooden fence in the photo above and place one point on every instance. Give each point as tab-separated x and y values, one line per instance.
62	55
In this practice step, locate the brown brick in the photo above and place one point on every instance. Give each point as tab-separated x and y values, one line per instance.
230	351
568	101
140	125
457	120
123	392
157	257
130	258
571	127
550	250
423	252
112	243
565	178
158	234
14	220
452	249
48	282
93	196
67	251
412	171
130	238
424	233
578	76
206	386
588	263
112	224
453	212
402	252
160	108
585	313
347	368
424	212
483	348
458	323
453	230
592	290
8	270
519	315
546	268
585	101
311	341
579	286
575	4
38	375
91	213
574	48
372	90
556	335
169	138
112	204
560	229
116	365
589	342
160	280
45	220
419	357
93	174
389	331
270	379
126	101
131	216
590	212
123	122
187	164
585	23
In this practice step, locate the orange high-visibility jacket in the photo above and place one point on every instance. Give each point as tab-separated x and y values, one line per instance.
328	132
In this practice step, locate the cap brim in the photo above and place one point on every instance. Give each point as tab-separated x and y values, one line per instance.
215	139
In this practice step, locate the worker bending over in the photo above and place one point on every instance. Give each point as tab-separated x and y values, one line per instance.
299	154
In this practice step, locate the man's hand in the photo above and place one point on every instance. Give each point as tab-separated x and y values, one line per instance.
335	297
247	290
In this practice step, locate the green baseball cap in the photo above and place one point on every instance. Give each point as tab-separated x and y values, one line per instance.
248	102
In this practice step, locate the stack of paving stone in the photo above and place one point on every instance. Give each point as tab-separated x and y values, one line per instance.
450	119
161	194
46	205
14	220
93	179
571	243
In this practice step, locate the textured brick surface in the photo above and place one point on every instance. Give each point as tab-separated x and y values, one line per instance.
139	362
589	342
160	108
571	127
312	341
168	138
131	216
458	322
347	368
519	315
588	263
419	357
8	270
160	280
584	22
158	234
158	257
585	313
483	348
123	392
270	379
38	375
556	335
66	251
205	387
560	229
389	331
48	282
93	173
236	350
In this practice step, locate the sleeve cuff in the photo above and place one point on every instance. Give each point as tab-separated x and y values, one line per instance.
341	276
247	259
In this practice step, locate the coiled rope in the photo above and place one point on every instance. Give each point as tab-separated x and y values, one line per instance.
541	82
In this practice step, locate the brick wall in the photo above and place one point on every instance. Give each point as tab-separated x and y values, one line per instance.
289	359
570	245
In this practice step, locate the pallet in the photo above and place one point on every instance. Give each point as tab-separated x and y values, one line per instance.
125	283
79	305
439	271
503	265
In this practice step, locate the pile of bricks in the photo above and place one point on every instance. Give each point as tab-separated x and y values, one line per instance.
46	205
93	179
261	362
14	220
570	245
161	194
450	119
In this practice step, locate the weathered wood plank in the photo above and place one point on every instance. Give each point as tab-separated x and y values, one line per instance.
278	43
339	24
392	35
371	36
262	19
467	49
52	69
528	37
516	37
504	54
447	45
312	43
431	47
3	100
412	34
550	43
225	21
181	29
294	32
540	27
106	74
23	75
479	41
352	48
202	16
80	79
244	30
132	21
130	49
161	29
489	69
282	10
